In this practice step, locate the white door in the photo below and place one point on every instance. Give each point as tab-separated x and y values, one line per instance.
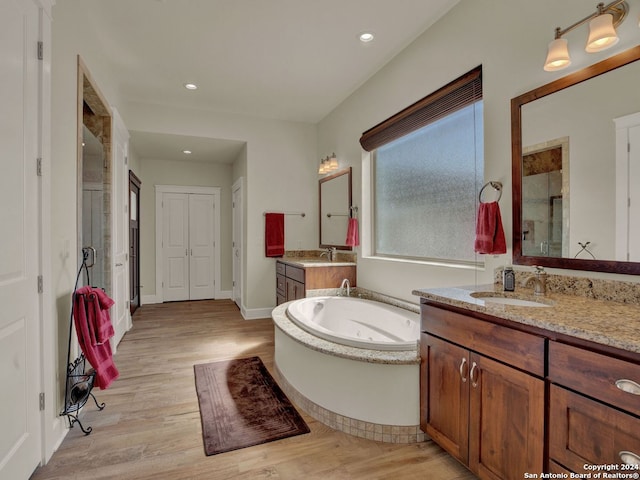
201	247
236	294
188	246
120	315
175	246
20	419
634	194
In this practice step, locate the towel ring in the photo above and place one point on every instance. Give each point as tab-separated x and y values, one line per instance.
495	185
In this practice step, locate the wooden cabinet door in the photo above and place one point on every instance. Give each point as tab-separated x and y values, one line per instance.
586	432
295	290
444	389
506	429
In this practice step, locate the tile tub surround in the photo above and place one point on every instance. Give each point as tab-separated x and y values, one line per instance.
612	323
358	428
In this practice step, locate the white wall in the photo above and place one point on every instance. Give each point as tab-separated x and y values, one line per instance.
68	41
279	176
509	39
278	159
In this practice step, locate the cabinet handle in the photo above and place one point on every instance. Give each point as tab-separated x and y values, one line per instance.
629	458
463	374
473	375
628	386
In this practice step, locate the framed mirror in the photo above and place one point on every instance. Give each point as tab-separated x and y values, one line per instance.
573	175
335	208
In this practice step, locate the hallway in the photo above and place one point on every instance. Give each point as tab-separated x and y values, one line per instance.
150	428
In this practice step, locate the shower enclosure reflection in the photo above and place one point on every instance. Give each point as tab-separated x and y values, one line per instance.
93	159
545	199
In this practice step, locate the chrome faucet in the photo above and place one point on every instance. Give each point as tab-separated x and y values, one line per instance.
330	253
345	286
539	279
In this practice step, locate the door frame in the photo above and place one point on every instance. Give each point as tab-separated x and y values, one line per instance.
89	93
162	189
134	183
237	229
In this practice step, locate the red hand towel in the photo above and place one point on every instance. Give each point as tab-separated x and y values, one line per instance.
274	234
489	232
101	305
99	356
353	237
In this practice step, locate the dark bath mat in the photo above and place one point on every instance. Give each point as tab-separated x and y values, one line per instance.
241	405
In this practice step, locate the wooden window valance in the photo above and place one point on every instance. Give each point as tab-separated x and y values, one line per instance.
458	94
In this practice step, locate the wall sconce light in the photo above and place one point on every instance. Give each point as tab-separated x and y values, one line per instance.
328	164
602	34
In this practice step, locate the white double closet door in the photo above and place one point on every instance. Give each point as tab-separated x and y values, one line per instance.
188	246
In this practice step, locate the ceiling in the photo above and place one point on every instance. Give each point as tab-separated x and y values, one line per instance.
162	146
292	60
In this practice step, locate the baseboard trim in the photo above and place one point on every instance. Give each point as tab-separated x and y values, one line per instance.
255	313
149	299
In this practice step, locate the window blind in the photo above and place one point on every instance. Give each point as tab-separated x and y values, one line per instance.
457	94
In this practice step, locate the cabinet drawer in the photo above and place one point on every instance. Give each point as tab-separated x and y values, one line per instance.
586	432
280	268
595	375
519	349
281	288
295	273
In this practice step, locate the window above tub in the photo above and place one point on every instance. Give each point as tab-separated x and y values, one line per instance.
427	171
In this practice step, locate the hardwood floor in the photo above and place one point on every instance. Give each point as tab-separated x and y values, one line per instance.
150	428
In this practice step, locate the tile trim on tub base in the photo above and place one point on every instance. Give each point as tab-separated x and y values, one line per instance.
351	426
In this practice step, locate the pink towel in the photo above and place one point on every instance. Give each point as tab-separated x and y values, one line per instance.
101	305
353	237
274	234
87	325
489	232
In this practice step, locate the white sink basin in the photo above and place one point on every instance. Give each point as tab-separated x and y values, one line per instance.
490	297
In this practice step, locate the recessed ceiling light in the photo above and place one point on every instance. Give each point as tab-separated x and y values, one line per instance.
366	37
190	86
186	152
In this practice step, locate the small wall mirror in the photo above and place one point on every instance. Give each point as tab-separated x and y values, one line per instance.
335	208
574	176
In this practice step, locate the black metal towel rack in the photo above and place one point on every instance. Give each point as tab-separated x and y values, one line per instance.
79	381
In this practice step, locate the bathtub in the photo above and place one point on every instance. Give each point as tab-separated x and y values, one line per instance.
357	323
371	390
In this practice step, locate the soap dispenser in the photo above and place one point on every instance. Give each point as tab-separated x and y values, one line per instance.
508	279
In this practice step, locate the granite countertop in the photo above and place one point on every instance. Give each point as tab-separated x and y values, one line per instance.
313	262
610	323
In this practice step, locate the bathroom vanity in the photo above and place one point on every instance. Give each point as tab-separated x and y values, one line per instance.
513	389
295	276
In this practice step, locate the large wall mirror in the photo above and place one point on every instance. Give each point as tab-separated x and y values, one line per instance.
576	183
335	208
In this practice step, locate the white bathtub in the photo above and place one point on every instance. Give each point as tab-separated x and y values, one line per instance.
357	323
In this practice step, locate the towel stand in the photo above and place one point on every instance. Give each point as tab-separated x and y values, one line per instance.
79	382
495	185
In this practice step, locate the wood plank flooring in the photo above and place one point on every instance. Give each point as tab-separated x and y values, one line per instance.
150	428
